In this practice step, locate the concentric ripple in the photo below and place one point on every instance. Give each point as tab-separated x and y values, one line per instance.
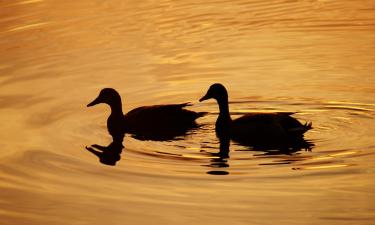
312	57
338	136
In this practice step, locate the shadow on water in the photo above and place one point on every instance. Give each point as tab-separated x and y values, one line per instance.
111	154
108	155
220	162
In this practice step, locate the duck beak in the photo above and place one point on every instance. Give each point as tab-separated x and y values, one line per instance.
95	102
93	151
204	98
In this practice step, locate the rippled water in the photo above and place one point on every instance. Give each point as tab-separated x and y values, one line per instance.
314	57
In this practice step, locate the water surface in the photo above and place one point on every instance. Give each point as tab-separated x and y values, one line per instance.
313	57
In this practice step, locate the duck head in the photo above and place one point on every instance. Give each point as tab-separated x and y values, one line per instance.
216	91
109	96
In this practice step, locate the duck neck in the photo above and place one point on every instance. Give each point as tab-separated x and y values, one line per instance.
223	122
116	108
115	122
224	109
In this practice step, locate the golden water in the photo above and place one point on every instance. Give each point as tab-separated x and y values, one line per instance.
315	57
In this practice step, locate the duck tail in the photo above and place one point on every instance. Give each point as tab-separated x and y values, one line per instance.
308	126
301	129
197	114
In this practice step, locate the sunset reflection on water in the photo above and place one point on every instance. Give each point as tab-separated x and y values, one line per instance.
315	58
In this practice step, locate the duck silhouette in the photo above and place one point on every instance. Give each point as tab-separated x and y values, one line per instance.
260	130
156	122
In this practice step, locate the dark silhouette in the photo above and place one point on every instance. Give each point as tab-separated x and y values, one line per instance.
259	130
222	158
220	163
157	122
107	155
271	133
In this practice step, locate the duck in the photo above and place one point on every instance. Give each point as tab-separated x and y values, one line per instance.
256	129
155	122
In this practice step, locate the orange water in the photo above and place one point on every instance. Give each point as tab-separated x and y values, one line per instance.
315	57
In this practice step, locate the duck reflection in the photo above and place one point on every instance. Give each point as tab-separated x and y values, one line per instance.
111	154
220	163
108	155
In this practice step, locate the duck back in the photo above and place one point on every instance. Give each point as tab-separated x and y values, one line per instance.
273	128
160	120
258	128
291	125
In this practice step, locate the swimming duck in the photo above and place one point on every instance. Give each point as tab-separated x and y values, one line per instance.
255	128
156	122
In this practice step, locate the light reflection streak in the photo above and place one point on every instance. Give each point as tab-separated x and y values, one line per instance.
331	156
29	2
322	167
349	103
25	27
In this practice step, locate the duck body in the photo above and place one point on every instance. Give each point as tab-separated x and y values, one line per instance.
159	117
269	129
157	122
160	122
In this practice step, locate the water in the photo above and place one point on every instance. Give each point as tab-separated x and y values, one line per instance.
314	57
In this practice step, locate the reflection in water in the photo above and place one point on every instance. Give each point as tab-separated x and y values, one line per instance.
30	26
107	155
221	160
314	57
